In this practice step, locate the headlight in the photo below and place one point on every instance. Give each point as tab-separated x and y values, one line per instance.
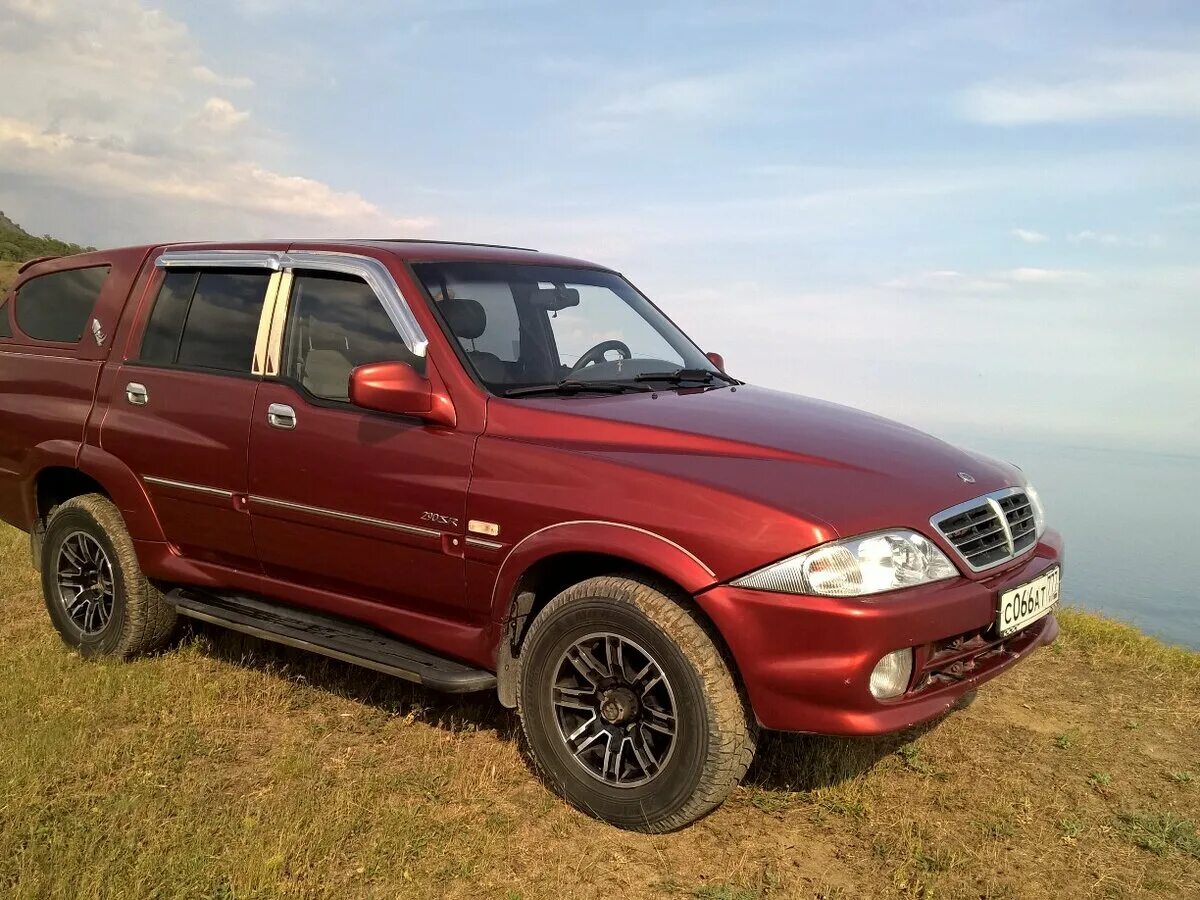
869	564
1039	513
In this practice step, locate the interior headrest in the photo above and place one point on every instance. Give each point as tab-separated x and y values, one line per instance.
325	336
466	317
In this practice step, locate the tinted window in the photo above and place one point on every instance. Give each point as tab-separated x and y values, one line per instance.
5	327
222	321
336	323
56	307
161	342
218	313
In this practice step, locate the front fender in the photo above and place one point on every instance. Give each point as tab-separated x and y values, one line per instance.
637	545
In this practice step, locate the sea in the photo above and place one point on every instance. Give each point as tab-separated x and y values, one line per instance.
1131	523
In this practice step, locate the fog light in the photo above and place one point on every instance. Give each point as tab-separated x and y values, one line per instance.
891	674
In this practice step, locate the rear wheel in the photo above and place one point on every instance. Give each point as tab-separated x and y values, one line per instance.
630	711
95	592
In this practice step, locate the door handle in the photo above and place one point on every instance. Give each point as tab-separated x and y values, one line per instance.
280	415
137	394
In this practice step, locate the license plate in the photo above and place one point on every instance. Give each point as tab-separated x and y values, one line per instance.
1027	603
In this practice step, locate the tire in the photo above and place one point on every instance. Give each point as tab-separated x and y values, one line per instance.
585	660
98	599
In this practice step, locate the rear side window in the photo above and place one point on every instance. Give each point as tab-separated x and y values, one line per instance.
5	328
161	343
206	320
56	307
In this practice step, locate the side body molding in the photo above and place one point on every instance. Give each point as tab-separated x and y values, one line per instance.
638	545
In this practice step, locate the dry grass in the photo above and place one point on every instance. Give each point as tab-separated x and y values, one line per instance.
226	768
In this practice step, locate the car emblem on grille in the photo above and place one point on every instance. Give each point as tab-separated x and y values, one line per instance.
966	478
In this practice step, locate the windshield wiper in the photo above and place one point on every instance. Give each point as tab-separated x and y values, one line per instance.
572	386
679	376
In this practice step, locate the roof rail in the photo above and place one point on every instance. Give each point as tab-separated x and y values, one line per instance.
456	243
37	259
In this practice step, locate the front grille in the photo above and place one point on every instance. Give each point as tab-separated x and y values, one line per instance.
991	529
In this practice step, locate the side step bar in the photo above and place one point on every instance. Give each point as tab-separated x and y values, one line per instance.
330	636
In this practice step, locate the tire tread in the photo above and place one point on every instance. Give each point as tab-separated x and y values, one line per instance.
148	620
733	730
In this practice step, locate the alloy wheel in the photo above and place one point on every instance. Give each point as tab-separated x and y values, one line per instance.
615	709
85	583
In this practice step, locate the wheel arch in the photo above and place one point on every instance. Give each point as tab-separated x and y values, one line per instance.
60	476
551	560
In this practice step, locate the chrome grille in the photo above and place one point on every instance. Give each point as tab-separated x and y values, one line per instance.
989	530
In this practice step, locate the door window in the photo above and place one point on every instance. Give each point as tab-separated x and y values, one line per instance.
5	327
161	343
335	324
206	320
56	307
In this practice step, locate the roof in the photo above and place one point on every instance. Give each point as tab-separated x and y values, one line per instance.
409	250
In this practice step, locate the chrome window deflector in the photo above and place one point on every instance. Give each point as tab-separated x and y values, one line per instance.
222	259
369	269
377	277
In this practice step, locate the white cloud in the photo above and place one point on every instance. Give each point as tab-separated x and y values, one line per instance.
107	171
1127	84
1108	239
947	281
1029	237
953	282
1030	275
208	76
219	114
674	98
111	100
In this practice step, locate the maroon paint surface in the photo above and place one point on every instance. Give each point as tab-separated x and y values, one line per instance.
700	486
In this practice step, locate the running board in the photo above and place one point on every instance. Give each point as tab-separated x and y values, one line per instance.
330	636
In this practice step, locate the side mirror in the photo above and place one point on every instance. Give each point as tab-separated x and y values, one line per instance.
395	387
717	360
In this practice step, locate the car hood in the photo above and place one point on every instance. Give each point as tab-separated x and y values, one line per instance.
822	462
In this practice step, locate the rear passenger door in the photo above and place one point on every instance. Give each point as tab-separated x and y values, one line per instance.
180	416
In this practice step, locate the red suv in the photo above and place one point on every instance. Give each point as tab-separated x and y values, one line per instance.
488	468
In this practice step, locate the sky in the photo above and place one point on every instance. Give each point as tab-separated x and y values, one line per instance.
970	217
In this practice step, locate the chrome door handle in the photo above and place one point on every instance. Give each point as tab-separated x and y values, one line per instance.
137	394
280	415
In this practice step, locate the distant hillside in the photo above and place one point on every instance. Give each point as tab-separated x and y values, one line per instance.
18	245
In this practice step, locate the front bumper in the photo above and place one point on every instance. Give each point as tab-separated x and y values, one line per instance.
806	661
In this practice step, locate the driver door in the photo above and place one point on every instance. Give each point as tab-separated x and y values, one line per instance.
359	503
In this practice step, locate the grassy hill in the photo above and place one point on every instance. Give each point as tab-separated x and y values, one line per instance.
227	768
17	245
8	274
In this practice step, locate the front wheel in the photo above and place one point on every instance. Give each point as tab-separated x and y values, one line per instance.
629	709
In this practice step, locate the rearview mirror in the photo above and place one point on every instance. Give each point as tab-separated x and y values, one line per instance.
717	360
397	388
553	299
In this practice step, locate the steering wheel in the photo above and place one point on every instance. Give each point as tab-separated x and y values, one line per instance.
596	354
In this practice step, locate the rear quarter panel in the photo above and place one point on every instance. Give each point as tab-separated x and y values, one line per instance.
47	389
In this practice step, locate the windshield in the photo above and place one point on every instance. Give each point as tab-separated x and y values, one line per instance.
526	326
